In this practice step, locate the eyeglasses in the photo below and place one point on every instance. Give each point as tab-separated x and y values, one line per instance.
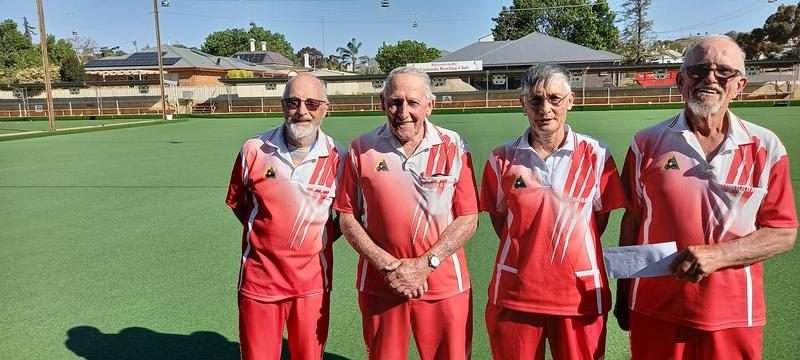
293	103
538	101
701	71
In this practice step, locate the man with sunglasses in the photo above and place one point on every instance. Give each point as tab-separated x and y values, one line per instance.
549	193
408	205
720	187
281	189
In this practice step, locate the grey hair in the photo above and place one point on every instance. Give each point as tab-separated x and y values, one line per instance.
411	71
690	50
290	83
543	74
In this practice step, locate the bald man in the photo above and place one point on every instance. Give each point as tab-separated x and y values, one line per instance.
281	189
720	187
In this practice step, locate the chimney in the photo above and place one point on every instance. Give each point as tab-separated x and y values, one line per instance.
263	46
252	45
306	63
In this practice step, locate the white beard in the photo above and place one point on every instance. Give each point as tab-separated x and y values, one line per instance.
300	131
702	109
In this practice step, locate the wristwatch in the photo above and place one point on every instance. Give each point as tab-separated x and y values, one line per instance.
434	261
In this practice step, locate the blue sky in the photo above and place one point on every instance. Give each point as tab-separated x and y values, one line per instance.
328	24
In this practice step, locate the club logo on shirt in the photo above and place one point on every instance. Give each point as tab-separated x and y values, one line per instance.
270	173
671	164
519	183
382	166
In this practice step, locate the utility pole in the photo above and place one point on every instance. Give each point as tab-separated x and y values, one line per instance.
51	120
160	62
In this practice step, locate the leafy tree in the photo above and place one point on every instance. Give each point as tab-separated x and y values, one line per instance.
588	23
404	52
349	54
71	69
106	51
229	41
637	30
85	48
16	51
315	57
783	27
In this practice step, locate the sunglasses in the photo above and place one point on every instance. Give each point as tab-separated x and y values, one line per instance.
701	71
293	103
538	101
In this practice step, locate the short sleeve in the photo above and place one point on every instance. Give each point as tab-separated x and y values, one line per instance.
611	193
348	192
465	197
492	197
777	209
237	198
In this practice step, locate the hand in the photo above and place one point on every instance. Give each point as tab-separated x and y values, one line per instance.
621	309
696	262
410	277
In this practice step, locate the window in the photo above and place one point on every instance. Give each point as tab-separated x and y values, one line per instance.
499	79
18	92
144	89
438	81
447	98
74	91
660	74
753	70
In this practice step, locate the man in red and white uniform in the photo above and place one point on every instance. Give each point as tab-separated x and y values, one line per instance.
408	204
548	194
720	187
281	189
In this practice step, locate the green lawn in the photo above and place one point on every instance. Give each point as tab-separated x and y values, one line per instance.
118	245
20	126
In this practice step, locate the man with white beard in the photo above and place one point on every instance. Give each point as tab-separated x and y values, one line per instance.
719	187
281	189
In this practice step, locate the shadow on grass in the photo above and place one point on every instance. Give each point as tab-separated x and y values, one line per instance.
139	343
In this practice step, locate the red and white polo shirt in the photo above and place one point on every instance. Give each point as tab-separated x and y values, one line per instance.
404	203
550	256
288	229
684	198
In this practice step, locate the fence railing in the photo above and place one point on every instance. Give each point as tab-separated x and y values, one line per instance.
247	106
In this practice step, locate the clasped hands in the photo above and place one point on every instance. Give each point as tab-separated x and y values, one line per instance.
408	277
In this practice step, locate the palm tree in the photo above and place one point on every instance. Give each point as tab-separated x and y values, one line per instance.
349	54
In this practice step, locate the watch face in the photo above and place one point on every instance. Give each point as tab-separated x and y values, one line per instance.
434	261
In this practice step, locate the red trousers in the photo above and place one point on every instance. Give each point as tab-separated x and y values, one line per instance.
442	328
652	338
261	327
521	335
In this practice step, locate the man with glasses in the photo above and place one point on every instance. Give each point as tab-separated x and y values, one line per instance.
281	189
408	205
548	194
720	187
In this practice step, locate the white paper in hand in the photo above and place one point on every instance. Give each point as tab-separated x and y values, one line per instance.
650	260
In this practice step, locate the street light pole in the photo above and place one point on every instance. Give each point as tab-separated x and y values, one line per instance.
160	62
51	120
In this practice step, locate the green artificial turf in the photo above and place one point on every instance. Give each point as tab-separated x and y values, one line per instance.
118	245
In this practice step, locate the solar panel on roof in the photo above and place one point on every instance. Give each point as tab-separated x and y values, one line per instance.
135	59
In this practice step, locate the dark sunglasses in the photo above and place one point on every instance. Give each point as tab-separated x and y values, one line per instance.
293	103
701	71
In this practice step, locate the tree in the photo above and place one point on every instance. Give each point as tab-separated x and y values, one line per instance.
16	51
404	52
71	69
315	57
783	27
229	41
85	47
637	30
349	54
586	23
